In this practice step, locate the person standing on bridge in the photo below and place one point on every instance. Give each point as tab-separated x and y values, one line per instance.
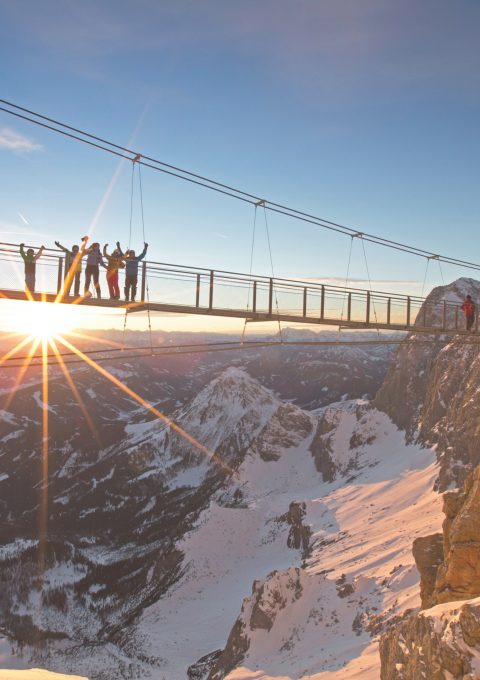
94	260
131	270
468	308
30	260
73	266
115	262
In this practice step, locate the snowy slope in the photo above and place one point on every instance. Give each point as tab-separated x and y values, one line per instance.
361	537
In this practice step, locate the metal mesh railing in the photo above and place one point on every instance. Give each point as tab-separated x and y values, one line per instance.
254	296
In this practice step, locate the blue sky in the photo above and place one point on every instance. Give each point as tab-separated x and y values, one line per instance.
362	112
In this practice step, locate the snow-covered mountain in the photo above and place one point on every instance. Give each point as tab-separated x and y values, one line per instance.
253	539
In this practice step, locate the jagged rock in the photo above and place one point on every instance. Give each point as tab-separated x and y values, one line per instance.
321	451
458	577
433	645
344	588
428	554
430	391
299	534
201	668
269	596
323	443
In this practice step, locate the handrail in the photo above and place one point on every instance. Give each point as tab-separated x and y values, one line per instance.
321	302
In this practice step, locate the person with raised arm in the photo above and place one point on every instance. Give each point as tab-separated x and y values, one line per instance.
92	270
131	270
30	261
73	266
114	263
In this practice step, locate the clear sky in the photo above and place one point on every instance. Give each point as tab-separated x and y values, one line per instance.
360	111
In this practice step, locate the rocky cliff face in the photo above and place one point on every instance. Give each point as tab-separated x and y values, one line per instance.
430	391
445	637
439	643
451	570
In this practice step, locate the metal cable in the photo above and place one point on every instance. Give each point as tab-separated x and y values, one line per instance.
220	187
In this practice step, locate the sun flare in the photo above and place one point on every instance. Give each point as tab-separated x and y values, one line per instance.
44	320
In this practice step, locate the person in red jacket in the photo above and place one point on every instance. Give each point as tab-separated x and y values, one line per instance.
468	309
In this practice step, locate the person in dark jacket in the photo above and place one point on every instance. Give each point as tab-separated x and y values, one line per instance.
468	308
114	263
30	261
94	260
73	266
131	270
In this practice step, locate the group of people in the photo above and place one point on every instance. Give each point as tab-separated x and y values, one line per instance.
94	260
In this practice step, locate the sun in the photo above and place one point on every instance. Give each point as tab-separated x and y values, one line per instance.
44	320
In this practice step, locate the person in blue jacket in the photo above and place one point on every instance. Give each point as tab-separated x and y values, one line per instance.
94	260
131	270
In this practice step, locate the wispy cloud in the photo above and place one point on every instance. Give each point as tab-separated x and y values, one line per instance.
11	140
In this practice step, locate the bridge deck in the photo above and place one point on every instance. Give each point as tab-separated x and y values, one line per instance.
170	288
249	315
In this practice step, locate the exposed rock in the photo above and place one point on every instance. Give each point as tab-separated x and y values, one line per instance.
299	534
344	588
201	668
431	389
428	554
278	591
458	577
321	451
436	644
324	440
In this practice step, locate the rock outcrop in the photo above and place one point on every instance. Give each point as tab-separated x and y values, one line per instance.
430	390
443	641
437	644
449	565
278	591
428	554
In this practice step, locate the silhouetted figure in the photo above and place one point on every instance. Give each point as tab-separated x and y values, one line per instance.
468	309
131	270
73	266
115	262
94	260
30	260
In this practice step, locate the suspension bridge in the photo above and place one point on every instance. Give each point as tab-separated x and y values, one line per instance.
179	289
187	290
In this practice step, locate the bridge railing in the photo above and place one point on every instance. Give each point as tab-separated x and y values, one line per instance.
257	296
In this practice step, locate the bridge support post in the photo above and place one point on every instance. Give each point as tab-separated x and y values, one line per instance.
389	310
322	303
408	310
210	295
367	316
59	275
254	302
144	281
197	292
270	297
349	307
304	302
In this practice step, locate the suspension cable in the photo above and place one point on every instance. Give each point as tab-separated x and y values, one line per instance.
369	283
145	271
161	166
273	274
250	272
226	347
